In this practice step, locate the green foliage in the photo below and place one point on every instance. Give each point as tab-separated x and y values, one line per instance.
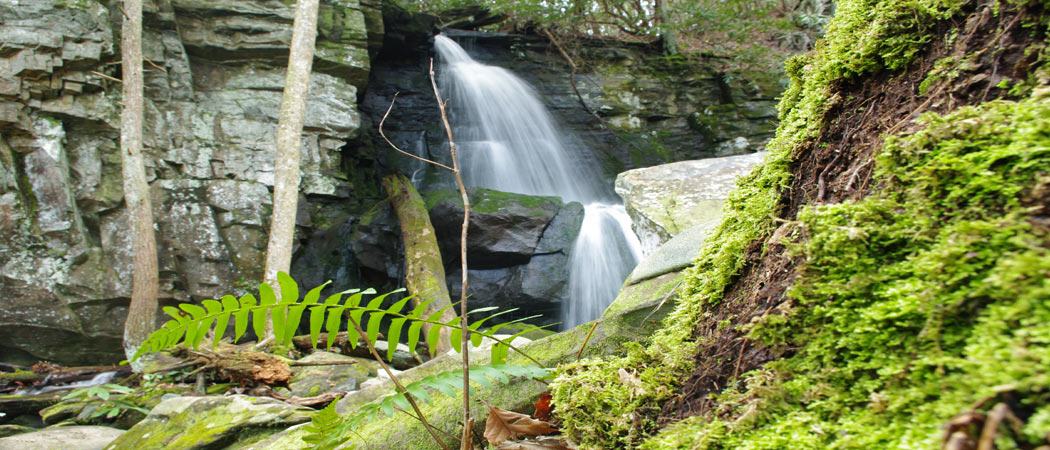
328	431
190	323
106	401
915	303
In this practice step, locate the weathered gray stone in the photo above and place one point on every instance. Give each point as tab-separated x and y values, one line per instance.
311	381
77	437
667	199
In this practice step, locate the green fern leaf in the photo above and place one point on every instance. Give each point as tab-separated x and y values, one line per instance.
241	316
316	322
315	294
335	316
221	323
393	335
289	288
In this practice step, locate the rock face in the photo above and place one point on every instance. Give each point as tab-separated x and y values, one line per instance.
213	86
517	248
668	199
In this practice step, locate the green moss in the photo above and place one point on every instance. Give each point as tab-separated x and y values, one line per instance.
487	201
915	303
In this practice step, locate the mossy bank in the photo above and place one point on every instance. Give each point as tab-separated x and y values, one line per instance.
885	271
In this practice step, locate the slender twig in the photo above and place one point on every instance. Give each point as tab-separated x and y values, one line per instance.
321	363
579	354
118	80
466	442
450	435
150	62
662	301
387	113
400	387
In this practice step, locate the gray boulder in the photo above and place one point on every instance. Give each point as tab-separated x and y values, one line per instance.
518	248
668	199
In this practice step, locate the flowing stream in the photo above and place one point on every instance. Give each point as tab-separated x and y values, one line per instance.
508	141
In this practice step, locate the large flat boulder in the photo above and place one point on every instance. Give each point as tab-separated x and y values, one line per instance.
668	199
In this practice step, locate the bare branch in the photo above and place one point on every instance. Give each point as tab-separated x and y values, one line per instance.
387	113
466	442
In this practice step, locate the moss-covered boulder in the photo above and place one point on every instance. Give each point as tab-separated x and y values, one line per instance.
211	422
881	280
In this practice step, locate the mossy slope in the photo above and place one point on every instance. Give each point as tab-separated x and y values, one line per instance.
909	306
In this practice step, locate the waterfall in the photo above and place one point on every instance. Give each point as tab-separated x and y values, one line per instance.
509	142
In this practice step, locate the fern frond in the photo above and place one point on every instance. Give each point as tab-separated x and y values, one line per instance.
190	323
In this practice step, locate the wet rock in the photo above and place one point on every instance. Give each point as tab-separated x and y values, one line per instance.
77	437
667	199
505	228
518	248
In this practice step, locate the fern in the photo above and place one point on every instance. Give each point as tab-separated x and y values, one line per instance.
190	323
327	433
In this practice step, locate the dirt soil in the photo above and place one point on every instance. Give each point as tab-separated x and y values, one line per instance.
838	166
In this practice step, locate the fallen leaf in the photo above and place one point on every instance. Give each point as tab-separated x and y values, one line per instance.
502	425
543	407
632	381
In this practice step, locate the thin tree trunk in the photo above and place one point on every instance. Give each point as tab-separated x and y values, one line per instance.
424	270
289	131
668	36
142	312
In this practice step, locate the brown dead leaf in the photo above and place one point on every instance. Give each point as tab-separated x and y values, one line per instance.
502	425
543	407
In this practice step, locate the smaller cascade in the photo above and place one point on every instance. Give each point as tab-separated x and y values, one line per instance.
606	250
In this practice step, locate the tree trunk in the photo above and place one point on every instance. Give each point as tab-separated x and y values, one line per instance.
668	36
289	131
142	313
424	270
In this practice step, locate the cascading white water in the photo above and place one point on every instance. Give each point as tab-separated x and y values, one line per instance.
508	141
